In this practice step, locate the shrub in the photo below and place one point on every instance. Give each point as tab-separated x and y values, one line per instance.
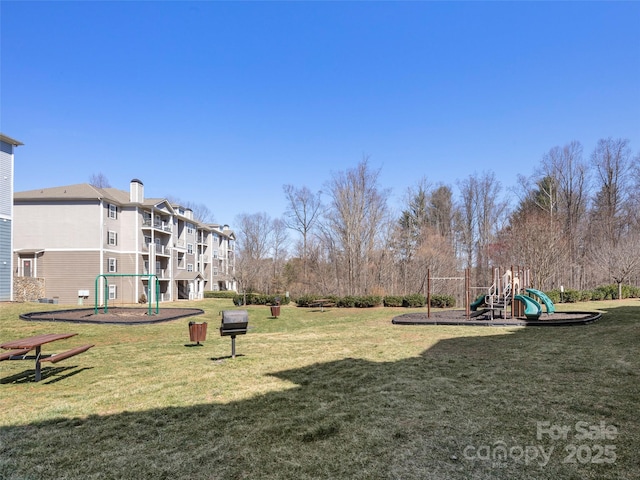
571	296
392	301
220	294
368	301
346	302
629	291
554	295
142	298
443	301
415	300
608	292
586	295
259	299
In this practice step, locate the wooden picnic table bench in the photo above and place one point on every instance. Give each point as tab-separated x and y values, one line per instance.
18	350
322	302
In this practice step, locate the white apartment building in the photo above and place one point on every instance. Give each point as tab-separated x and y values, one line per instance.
82	240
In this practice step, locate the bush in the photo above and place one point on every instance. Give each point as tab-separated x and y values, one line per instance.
346	302
392	301
608	292
414	301
368	301
629	291
443	301
220	294
259	299
571	296
554	295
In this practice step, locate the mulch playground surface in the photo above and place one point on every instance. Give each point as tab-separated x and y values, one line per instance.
114	315
136	316
458	317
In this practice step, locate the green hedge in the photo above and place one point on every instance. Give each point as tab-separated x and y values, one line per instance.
259	299
367	301
603	292
393	301
443	301
220	294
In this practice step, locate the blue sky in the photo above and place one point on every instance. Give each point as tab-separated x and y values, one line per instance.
255	95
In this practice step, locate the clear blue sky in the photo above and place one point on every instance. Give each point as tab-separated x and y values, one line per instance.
254	95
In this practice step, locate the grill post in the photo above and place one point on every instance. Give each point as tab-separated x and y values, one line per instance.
234	322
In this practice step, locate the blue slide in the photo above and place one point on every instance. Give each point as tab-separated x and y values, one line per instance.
532	309
544	299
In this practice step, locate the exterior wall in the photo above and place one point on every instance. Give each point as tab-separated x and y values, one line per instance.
6	264
58	225
6	224
66	272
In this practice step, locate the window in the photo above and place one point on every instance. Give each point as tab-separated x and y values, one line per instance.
215	254
215	271
113	211
189	248
26	267
112	292
189	267
112	265
189	228
112	238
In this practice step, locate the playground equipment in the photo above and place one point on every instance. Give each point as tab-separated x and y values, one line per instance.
506	291
105	293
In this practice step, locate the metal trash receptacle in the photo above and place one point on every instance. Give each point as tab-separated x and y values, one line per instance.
197	332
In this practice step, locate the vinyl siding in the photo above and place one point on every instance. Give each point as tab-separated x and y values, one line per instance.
58	225
67	272
6	179
5	260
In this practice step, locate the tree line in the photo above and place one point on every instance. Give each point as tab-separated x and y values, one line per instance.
576	224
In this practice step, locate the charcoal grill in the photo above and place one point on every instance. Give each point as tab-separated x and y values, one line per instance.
234	322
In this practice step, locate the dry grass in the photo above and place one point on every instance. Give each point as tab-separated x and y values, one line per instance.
339	394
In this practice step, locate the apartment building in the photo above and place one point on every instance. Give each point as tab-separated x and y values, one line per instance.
7	146
84	240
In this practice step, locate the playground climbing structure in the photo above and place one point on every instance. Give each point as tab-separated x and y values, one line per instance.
511	289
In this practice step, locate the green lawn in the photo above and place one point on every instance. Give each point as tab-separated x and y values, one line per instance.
340	394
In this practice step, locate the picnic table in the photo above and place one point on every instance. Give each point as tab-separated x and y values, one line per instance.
19	350
322	302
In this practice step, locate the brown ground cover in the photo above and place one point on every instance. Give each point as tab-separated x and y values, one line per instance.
114	315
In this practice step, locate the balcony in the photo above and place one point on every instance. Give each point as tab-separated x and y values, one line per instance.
160	249
157	225
162	273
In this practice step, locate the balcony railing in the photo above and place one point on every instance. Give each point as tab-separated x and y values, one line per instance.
162	273
158	225
160	249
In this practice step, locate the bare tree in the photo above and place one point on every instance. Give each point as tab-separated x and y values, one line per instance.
620	263
357	211
480	216
564	170
279	243
253	250
99	180
303	212
612	162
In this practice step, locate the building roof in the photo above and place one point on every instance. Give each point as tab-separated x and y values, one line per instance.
10	140
184	275
82	191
